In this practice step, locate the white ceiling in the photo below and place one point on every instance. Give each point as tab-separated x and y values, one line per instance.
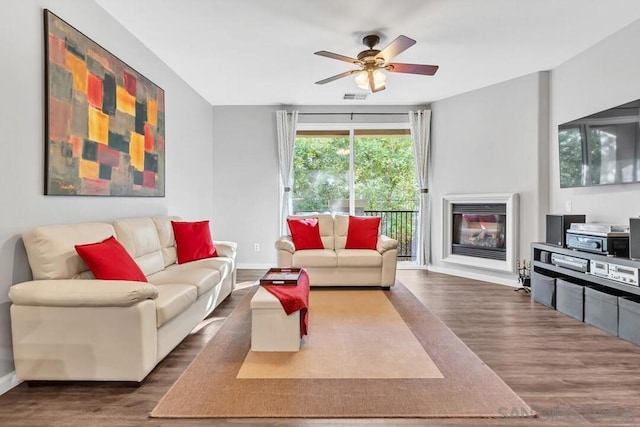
260	52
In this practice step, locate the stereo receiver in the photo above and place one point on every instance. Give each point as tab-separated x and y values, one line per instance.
604	245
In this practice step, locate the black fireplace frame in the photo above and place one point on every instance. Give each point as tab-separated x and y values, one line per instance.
499	254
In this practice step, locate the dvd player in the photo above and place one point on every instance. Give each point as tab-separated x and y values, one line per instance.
570	262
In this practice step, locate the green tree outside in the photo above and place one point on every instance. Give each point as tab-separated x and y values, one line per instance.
384	176
384	172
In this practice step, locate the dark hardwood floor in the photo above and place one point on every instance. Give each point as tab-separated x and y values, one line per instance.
569	372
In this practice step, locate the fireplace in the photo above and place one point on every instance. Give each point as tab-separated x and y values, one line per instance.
480	230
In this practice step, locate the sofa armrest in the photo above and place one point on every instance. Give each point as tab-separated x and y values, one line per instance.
226	249
285	243
81	293
386	243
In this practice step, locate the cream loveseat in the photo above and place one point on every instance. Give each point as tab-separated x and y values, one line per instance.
336	266
67	325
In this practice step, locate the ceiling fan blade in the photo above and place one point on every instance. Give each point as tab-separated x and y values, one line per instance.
336	77
427	70
396	47
336	56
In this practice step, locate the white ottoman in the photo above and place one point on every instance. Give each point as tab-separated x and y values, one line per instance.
271	328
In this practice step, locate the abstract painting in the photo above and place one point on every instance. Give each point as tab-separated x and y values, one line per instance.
104	120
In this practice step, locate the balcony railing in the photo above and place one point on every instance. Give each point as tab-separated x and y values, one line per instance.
400	225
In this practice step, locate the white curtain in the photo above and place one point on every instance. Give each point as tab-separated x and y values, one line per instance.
286	125
420	123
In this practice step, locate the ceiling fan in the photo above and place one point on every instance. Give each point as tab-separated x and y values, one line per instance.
372	61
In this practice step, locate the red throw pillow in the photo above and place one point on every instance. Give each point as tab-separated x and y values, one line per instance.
305	233
362	232
193	241
109	260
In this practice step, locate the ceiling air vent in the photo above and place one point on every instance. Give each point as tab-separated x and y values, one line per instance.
355	96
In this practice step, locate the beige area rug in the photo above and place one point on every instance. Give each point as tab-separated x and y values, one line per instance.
436	374
356	334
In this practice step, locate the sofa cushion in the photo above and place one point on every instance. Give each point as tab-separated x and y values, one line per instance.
358	258
193	240
204	279
109	260
139	236
51	250
167	238
305	233
362	232
315	258
341	226
223	264
173	300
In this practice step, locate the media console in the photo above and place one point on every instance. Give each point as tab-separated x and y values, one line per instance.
566	270
600	290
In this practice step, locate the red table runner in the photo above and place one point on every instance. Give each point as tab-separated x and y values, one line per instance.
294	298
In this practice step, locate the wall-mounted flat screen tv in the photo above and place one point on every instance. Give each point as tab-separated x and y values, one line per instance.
603	148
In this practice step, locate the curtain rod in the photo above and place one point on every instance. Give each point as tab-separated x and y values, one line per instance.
352	114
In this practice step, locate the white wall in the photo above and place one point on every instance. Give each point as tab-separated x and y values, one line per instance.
492	140
189	136
246	207
602	77
245	168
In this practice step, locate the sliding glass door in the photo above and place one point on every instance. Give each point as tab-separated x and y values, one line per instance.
320	171
359	171
385	178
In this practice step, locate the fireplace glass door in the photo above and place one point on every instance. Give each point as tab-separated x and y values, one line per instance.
479	230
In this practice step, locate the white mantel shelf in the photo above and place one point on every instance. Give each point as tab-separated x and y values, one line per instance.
511	200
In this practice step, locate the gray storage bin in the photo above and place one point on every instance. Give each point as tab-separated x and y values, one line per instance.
570	299
601	308
543	289
629	319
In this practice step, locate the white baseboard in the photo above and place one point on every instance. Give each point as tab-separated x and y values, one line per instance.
8	382
402	265
250	266
408	265
475	275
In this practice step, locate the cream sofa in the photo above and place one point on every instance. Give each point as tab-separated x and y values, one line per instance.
67	325
336	266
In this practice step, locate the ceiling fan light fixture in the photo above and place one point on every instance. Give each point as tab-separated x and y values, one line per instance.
362	80
374	80
379	78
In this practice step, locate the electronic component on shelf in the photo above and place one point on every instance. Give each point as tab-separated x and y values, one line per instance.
545	257
619	273
624	274
634	238
570	262
599	268
599	229
557	226
612	244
